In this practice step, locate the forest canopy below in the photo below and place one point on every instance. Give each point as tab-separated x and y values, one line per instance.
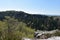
34	21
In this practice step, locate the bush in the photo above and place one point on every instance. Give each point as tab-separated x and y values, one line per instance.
57	33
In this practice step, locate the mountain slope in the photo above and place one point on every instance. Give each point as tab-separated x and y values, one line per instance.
38	22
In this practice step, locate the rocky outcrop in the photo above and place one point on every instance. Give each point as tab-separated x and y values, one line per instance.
46	34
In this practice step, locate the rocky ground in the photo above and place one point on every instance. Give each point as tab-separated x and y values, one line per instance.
51	35
52	38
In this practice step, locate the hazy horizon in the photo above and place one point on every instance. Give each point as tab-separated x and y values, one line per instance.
45	7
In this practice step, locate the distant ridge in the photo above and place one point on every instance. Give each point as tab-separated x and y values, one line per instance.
35	21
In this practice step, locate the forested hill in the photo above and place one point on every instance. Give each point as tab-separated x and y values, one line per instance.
35	21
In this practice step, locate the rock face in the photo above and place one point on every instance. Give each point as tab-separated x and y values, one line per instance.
44	34
52	38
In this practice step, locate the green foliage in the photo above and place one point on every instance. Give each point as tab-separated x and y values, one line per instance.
17	24
37	22
11	29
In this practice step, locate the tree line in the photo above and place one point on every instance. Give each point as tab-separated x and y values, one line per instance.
34	21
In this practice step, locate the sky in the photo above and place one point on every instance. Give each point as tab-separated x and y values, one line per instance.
45	7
